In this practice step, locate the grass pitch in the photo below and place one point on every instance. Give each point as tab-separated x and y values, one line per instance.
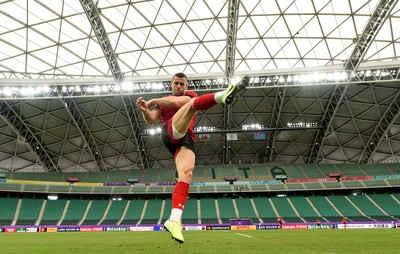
261	241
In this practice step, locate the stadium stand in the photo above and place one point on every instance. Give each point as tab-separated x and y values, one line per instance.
97	208
325	208
304	208
370	208
351	169
208	211
332	185
134	212
167	175
294	171
375	183
75	210
8	207
312	171
295	186
306	183
312	185
58	188
245	209
114	213
375	169
353	184
151	175
388	203
394	167
199	174
190	216
347	208
329	169
11	187
53	211
166	210
118	176
226	209
284	209
265	210
29	211
152	212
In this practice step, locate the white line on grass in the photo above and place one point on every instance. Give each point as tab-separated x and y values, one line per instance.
249	236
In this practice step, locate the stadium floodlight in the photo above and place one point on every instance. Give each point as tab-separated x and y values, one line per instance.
153	131
252	127
52	197
302	125
204	129
96	87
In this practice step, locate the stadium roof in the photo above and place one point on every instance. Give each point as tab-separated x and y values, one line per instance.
324	80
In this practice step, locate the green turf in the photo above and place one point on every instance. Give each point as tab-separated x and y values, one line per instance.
323	241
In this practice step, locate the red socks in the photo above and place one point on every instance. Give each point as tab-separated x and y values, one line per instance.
204	102
179	195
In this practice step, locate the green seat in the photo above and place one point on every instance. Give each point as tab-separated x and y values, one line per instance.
325	208
58	189
153	211
96	212
295	186
53	212
245	209
346	208
133	212
294	171
11	186
388	203
353	184
304	208
259	187
313	171
29	211
265	209
190	216
332	185
284	209
35	188
350	170
8	207
313	185
76	210
375	183
369	208
276	187
208	211
118	176
226	209
115	212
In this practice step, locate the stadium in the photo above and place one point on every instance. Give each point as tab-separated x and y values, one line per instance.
313	139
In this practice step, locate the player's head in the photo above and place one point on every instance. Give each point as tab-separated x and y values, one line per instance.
179	84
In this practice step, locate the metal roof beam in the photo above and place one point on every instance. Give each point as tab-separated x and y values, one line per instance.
84	130
276	112
374	24
15	121
233	15
93	16
381	130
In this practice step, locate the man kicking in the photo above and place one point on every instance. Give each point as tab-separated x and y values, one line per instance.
178	113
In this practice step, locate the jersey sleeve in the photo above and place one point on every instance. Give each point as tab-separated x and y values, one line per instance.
191	94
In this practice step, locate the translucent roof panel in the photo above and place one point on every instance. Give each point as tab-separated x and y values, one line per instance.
54	39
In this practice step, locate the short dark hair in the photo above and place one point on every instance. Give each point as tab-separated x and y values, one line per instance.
180	75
